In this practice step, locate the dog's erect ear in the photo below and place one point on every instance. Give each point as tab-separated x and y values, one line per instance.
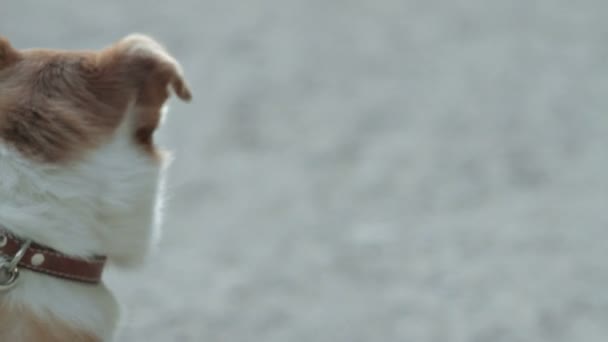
139	66
7	53
149	63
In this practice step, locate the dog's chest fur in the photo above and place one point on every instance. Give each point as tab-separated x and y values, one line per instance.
107	204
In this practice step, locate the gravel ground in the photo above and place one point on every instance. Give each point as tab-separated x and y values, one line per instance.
362	170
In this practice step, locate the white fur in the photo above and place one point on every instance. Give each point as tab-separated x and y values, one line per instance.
107	204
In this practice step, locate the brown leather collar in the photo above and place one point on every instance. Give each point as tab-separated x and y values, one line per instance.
42	259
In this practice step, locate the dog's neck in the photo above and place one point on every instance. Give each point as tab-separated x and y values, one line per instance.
107	204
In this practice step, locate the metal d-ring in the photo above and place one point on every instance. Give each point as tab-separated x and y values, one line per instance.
10	268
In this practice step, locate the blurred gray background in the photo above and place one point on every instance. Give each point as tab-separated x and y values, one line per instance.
369	170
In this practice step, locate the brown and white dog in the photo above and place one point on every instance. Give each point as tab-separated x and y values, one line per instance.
80	177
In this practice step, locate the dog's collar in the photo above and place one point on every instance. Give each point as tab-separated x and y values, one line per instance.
22	253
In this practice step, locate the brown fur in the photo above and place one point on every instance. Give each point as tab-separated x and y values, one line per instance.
19	324
57	105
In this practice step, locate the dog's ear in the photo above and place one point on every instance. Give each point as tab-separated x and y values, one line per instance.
8	54
151	65
139	66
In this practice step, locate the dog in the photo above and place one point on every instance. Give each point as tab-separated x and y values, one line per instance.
81	181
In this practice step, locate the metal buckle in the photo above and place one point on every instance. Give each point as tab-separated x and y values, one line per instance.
10	269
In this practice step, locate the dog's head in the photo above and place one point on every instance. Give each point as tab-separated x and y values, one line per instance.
77	151
56	106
